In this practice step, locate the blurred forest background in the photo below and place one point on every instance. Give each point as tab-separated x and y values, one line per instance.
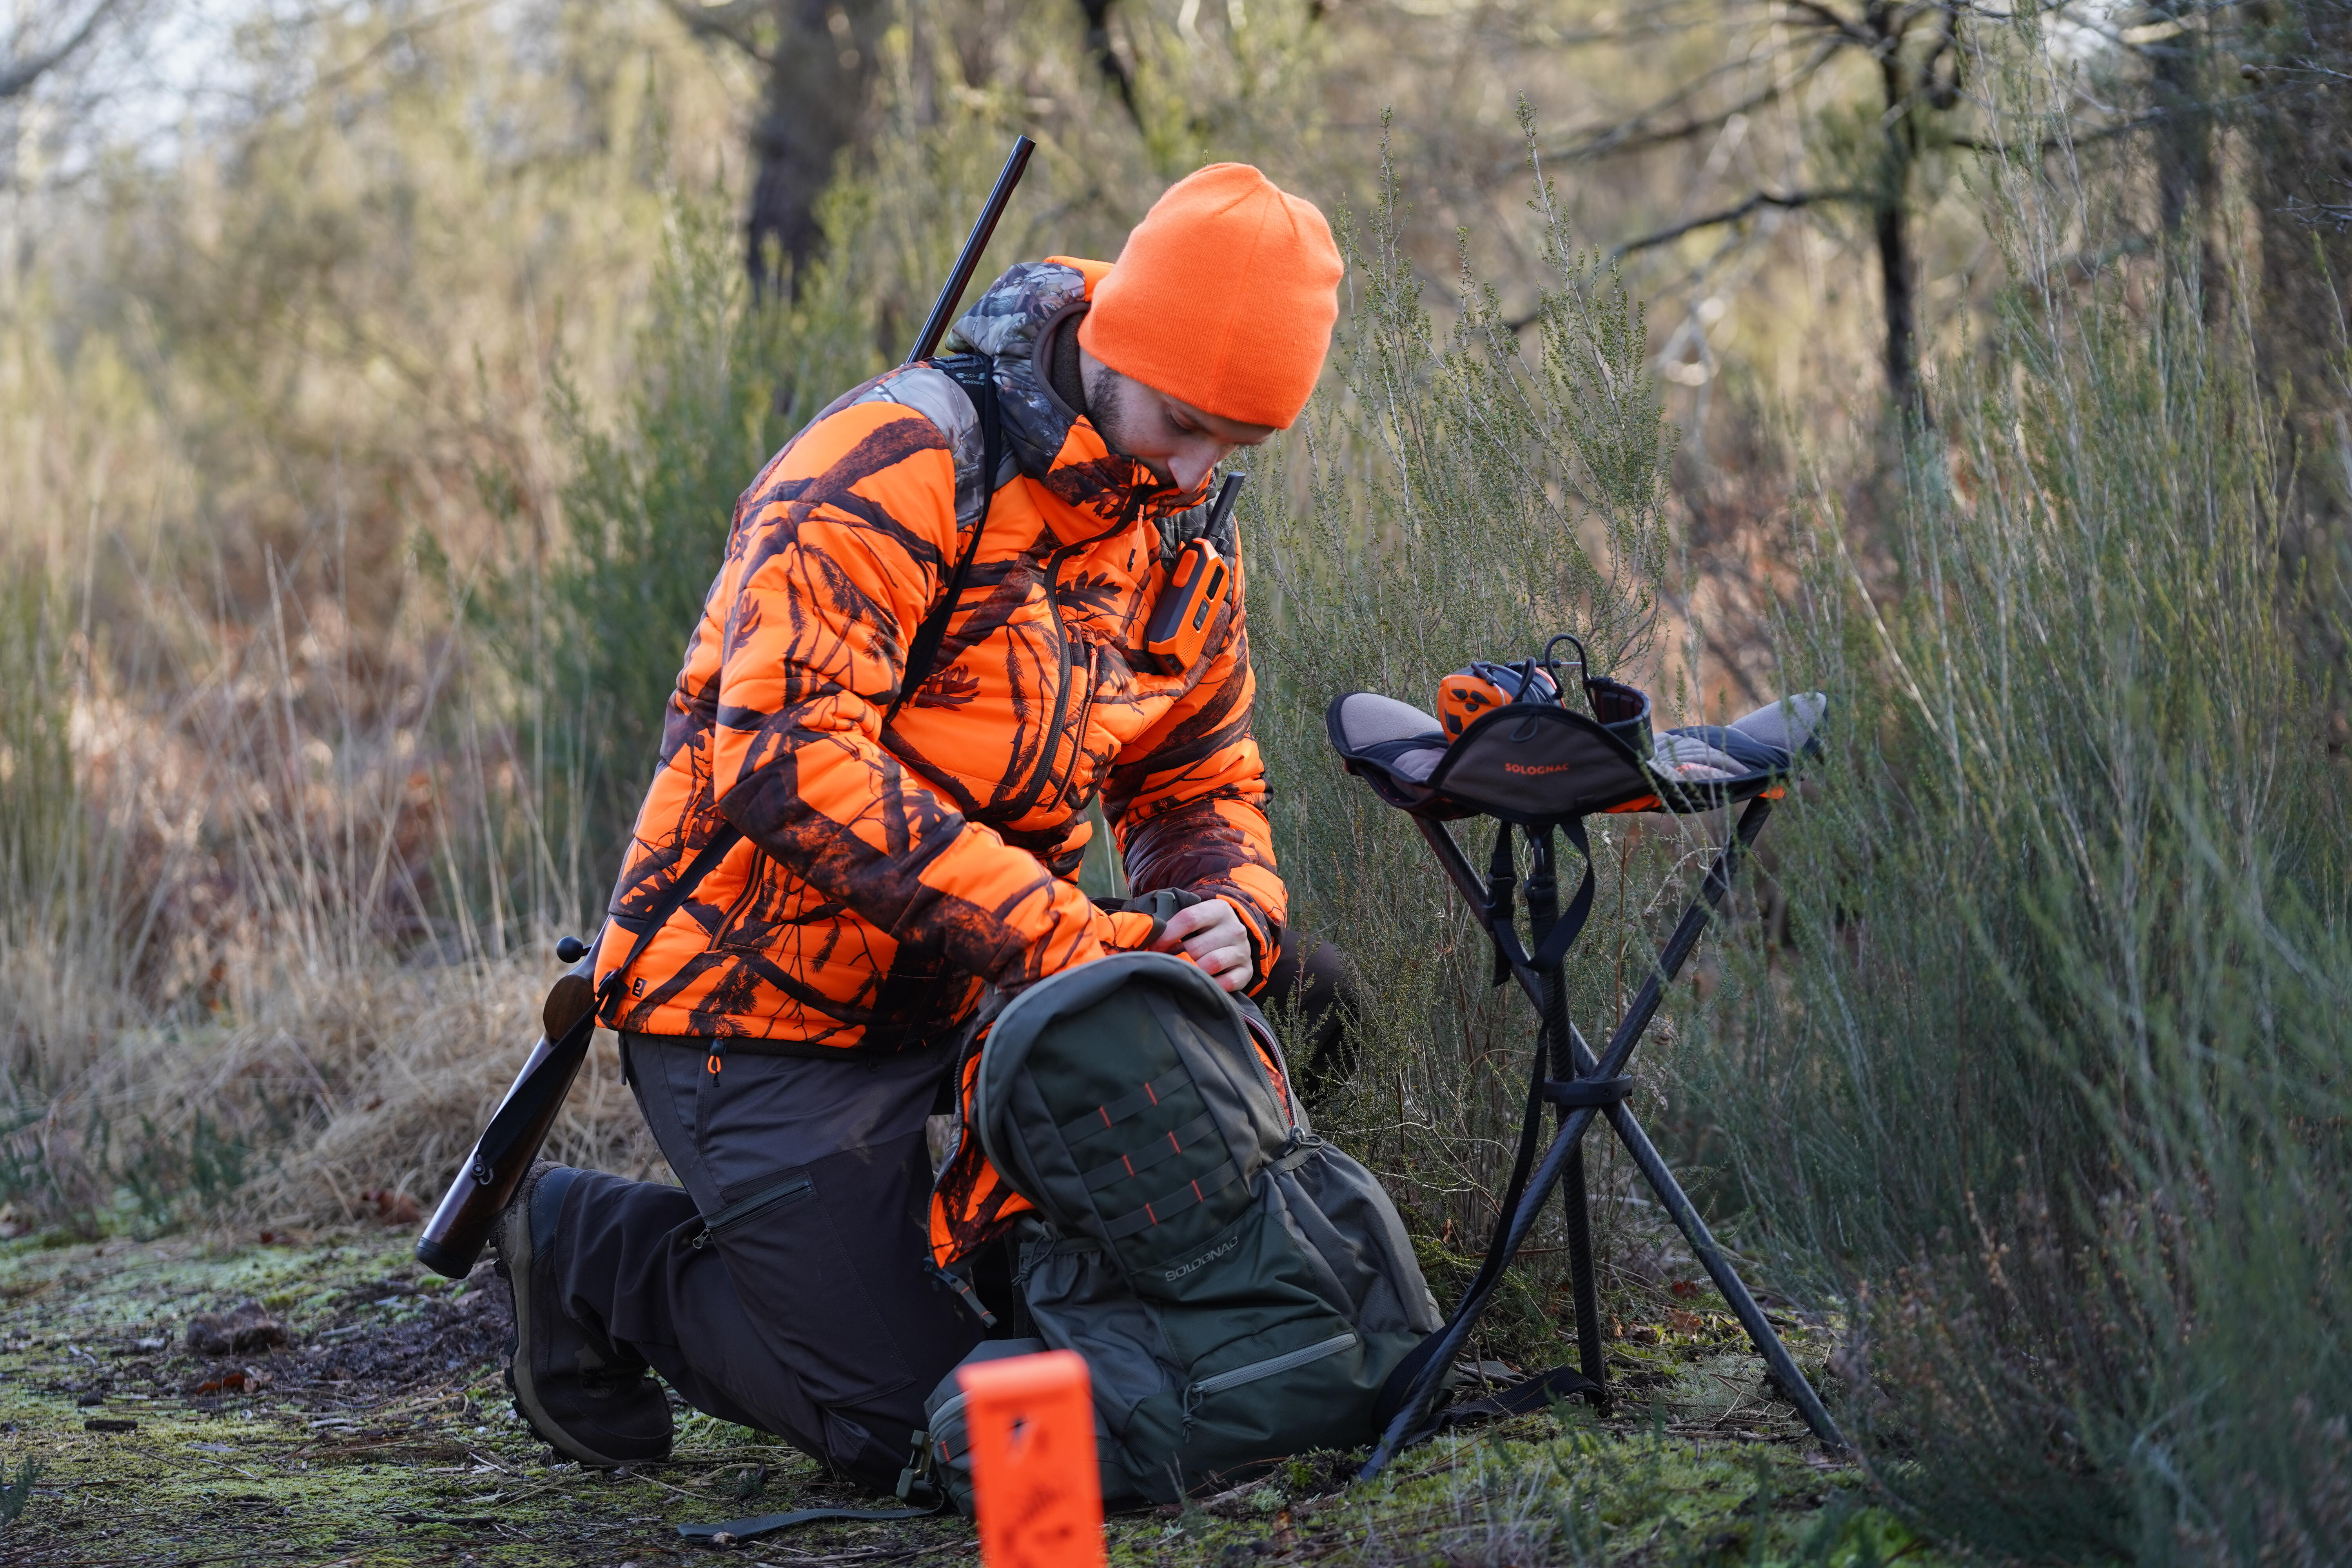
376	378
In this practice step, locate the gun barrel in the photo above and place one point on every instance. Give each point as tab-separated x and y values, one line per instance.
460	1227
461	1224
984	229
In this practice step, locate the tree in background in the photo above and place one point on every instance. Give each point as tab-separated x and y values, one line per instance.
1880	89
817	60
2299	66
55	64
54	35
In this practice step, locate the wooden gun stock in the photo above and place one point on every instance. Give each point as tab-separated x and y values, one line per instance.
484	1185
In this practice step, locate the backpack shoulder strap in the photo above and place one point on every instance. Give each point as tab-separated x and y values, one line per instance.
976	374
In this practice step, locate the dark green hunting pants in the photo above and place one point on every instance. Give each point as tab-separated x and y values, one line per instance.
787	1286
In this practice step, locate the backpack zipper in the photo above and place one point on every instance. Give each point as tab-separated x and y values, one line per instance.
1289	1361
943	1414
737	1213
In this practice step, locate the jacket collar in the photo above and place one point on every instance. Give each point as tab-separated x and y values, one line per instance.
1055	445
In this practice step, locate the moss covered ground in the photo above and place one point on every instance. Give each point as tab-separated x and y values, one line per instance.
173	1423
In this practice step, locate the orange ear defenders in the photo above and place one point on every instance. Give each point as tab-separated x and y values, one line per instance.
1486	686
1199	581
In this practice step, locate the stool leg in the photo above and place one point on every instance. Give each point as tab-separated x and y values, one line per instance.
1560	1038
1703	1245
1581	1278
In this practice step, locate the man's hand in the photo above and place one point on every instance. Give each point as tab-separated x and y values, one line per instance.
1211	932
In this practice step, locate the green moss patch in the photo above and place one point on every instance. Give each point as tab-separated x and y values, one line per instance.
378	1433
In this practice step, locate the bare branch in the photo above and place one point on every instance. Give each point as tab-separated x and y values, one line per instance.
1664	20
1850	31
18	75
1630	136
733	20
2084	137
392	37
1761	199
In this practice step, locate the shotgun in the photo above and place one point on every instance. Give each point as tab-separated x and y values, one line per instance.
486	1183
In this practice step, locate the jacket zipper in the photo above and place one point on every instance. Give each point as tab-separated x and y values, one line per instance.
1086	712
1289	1361
741	903
735	1214
1280	1094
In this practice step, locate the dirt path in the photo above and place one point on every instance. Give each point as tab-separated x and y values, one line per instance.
198	1403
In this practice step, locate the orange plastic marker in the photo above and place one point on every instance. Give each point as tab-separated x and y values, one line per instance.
1030	1419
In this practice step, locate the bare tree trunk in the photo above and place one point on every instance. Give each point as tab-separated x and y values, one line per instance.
1106	57
1901	314
1891	218
2300	180
2186	176
819	67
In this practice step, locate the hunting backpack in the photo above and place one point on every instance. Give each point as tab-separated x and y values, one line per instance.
1240	1289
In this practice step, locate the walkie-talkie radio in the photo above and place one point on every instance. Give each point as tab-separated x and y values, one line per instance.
1199	581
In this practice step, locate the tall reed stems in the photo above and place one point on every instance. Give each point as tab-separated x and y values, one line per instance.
2047	1088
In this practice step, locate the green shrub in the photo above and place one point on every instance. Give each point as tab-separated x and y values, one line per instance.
2046	1089
724	380
1464	497
17	1490
38	820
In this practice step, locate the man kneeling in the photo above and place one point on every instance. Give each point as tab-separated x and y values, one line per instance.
911	838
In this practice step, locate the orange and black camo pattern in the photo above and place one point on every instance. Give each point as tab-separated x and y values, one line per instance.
888	872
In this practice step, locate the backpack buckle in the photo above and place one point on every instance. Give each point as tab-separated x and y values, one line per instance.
915	1484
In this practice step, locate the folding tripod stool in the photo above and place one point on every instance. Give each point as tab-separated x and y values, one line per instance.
1540	767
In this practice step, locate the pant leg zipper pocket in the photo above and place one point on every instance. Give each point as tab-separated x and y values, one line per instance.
735	1214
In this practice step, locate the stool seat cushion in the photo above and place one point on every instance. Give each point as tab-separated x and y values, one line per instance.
1540	763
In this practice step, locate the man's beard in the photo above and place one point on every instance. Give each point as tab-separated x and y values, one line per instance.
1109	407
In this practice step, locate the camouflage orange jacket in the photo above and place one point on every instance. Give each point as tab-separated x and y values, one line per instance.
887	871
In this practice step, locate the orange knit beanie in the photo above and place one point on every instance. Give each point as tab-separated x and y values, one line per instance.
1223	296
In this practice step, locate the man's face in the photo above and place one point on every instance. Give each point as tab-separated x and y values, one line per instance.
1175	440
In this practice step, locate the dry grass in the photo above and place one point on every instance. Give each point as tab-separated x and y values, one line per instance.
278	966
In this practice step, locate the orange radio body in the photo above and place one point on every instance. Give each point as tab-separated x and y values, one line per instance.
1199	582
1485	687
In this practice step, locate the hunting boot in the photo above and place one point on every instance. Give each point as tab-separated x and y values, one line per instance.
586	1398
